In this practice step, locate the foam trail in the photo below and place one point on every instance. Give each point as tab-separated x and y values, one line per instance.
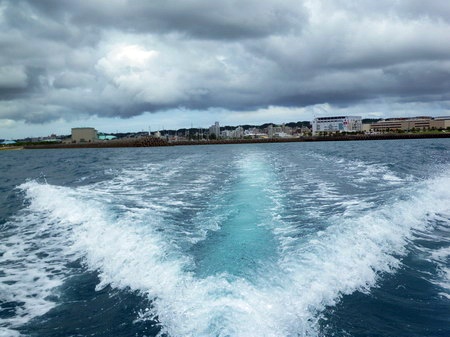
349	255
32	265
243	242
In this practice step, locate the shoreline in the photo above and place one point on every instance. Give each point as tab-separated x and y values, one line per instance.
11	148
157	142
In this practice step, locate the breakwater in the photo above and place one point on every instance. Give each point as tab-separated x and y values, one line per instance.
150	141
133	142
334	138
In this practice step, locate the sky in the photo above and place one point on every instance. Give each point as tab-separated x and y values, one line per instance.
138	65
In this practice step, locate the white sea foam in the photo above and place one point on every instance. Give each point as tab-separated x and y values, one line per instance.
441	254
5	332
127	251
440	257
33	264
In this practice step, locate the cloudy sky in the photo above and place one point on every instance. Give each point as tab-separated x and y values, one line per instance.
132	65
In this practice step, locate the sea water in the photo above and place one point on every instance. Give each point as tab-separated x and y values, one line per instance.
295	239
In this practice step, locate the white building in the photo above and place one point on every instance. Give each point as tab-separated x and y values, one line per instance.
337	124
270	131
238	132
215	129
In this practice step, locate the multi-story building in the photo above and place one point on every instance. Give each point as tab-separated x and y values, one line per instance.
411	123
215	129
84	135
270	131
440	122
337	124
238	132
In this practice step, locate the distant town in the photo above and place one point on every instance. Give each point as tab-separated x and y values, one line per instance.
332	126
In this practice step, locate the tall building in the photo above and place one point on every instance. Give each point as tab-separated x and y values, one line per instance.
215	129
270	131
337	124
84	135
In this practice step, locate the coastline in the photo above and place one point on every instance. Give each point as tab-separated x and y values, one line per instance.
11	148
158	142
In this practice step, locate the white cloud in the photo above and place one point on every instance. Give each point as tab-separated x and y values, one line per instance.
126	58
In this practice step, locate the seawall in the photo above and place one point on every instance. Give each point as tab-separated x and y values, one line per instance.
151	142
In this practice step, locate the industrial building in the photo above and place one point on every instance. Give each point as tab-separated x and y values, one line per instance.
84	135
337	124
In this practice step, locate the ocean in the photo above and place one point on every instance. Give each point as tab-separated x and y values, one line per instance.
344	239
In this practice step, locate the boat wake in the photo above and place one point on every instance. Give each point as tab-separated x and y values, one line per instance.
238	265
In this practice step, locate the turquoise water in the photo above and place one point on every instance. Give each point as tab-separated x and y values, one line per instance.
245	243
319	239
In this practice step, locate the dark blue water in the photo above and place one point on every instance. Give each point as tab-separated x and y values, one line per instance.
320	239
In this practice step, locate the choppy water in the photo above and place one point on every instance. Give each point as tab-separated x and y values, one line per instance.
320	239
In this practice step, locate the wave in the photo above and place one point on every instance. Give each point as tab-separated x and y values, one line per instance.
130	249
33	264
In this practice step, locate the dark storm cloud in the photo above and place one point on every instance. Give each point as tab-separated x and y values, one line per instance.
17	82
64	59
196	18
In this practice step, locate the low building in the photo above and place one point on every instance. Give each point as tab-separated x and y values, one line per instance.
411	123
337	124
106	137
84	135
366	128
440	122
8	142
